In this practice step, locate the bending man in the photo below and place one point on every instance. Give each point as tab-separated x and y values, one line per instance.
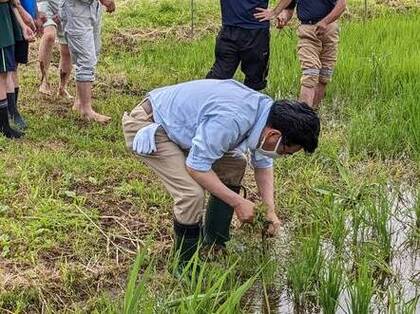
195	136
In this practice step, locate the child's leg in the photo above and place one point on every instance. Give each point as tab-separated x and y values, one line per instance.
5	128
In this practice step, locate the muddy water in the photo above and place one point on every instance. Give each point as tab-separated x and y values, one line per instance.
404	264
406	260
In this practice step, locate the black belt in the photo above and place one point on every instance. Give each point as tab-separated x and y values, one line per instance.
310	22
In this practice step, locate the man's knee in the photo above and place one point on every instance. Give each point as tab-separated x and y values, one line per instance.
82	51
189	207
50	36
256	85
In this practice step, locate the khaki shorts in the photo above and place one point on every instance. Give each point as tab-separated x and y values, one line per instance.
317	54
168	163
50	9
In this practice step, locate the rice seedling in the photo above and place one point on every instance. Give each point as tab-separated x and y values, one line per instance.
258	251
379	213
398	306
137	298
304	267
361	290
416	229
330	286
202	287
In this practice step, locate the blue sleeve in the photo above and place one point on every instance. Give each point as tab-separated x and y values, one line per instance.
260	161
213	138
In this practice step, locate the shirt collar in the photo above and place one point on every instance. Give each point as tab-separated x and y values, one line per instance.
261	121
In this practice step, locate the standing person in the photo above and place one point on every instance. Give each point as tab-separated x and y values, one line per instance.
81	21
12	29
318	42
242	40
201	145
53	31
32	18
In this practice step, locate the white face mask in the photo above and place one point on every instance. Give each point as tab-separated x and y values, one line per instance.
269	153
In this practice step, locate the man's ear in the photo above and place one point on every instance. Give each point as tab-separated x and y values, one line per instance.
272	131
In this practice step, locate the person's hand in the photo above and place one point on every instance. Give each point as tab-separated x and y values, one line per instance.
274	224
42	17
109	5
56	19
245	211
28	33
283	18
321	28
264	14
40	20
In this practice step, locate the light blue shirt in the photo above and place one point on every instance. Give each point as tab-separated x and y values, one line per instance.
210	118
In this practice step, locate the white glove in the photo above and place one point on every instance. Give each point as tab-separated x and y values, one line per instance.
144	141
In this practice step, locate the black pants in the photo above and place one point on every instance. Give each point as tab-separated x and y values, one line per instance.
250	48
22	52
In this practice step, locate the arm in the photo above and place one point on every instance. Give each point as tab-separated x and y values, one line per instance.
264	177
267	14
212	139
339	8
244	209
28	34
26	17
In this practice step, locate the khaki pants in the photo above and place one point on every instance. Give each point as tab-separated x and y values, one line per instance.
317	54
168	162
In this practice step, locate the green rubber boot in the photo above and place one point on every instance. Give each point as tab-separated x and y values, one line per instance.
217	223
186	242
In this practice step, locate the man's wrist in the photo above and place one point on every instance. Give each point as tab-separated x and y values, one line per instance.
275	13
235	200
327	20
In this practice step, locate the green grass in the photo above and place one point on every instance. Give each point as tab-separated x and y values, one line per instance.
76	207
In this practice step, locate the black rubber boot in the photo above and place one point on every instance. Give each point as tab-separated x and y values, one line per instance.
5	128
217	223
13	110
186	241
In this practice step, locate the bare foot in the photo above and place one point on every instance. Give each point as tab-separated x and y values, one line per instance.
45	89
94	116
65	94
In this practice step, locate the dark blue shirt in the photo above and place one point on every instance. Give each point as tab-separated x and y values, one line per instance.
313	10
240	13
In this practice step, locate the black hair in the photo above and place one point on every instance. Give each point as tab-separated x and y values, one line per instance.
297	122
